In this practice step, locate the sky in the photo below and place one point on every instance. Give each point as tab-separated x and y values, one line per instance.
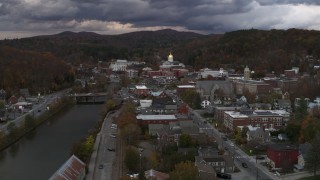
23	18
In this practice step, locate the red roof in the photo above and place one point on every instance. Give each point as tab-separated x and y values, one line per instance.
70	170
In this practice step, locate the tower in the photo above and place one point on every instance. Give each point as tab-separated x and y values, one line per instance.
246	73
170	58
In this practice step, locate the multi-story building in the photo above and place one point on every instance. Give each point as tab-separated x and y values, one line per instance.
282	155
268	119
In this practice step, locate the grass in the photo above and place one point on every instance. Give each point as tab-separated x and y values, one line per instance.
317	177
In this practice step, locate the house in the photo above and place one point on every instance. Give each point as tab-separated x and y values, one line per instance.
24	92
167	137
220	163
132	73
22	99
72	169
158	94
282	137
241	98
282	155
206	172
283	104
13	100
163	106
258	134
155	175
141	90
2	114
205	103
3	94
260	106
155	128
208	151
303	150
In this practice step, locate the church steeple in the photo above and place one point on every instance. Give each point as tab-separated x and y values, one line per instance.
246	73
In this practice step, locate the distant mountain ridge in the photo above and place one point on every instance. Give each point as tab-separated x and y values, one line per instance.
261	50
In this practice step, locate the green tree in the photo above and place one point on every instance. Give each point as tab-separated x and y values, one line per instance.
13	131
301	110
2	104
130	132
132	159
192	98
184	171
312	161
29	122
110	104
185	141
2	139
83	149
293	131
154	160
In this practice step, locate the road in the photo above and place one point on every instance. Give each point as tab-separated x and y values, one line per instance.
19	119
104	162
254	168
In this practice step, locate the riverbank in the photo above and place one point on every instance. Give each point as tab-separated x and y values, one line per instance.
31	123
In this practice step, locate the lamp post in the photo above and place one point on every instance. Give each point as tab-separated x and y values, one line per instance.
256	148
140	161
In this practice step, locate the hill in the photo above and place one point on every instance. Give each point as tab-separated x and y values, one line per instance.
85	46
28	69
262	51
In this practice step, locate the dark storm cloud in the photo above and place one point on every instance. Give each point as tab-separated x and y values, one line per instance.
114	16
272	2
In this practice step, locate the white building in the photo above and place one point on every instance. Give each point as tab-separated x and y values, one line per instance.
204	73
119	65
170	63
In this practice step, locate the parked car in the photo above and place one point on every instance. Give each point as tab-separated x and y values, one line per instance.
260	157
244	165
100	166
111	149
223	175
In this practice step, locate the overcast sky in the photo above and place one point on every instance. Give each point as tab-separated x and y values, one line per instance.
21	18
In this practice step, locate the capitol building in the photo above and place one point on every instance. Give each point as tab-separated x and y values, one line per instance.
170	64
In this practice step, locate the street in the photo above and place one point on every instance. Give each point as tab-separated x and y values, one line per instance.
253	170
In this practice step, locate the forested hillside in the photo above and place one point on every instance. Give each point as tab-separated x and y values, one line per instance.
265	51
29	69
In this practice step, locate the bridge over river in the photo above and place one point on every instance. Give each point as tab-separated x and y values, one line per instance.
90	98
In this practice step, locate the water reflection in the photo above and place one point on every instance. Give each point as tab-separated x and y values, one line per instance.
39	154
31	135
13	149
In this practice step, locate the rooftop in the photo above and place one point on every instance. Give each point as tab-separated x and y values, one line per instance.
156	117
235	114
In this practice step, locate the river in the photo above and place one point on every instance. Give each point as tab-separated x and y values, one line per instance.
38	155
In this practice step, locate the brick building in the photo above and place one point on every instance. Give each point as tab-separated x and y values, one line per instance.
268	119
282	155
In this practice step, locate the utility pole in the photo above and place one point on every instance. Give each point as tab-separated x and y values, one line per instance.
257	162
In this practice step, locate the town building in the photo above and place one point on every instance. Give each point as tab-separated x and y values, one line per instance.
171	64
209	73
156	119
267	119
282	155
72	169
215	90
